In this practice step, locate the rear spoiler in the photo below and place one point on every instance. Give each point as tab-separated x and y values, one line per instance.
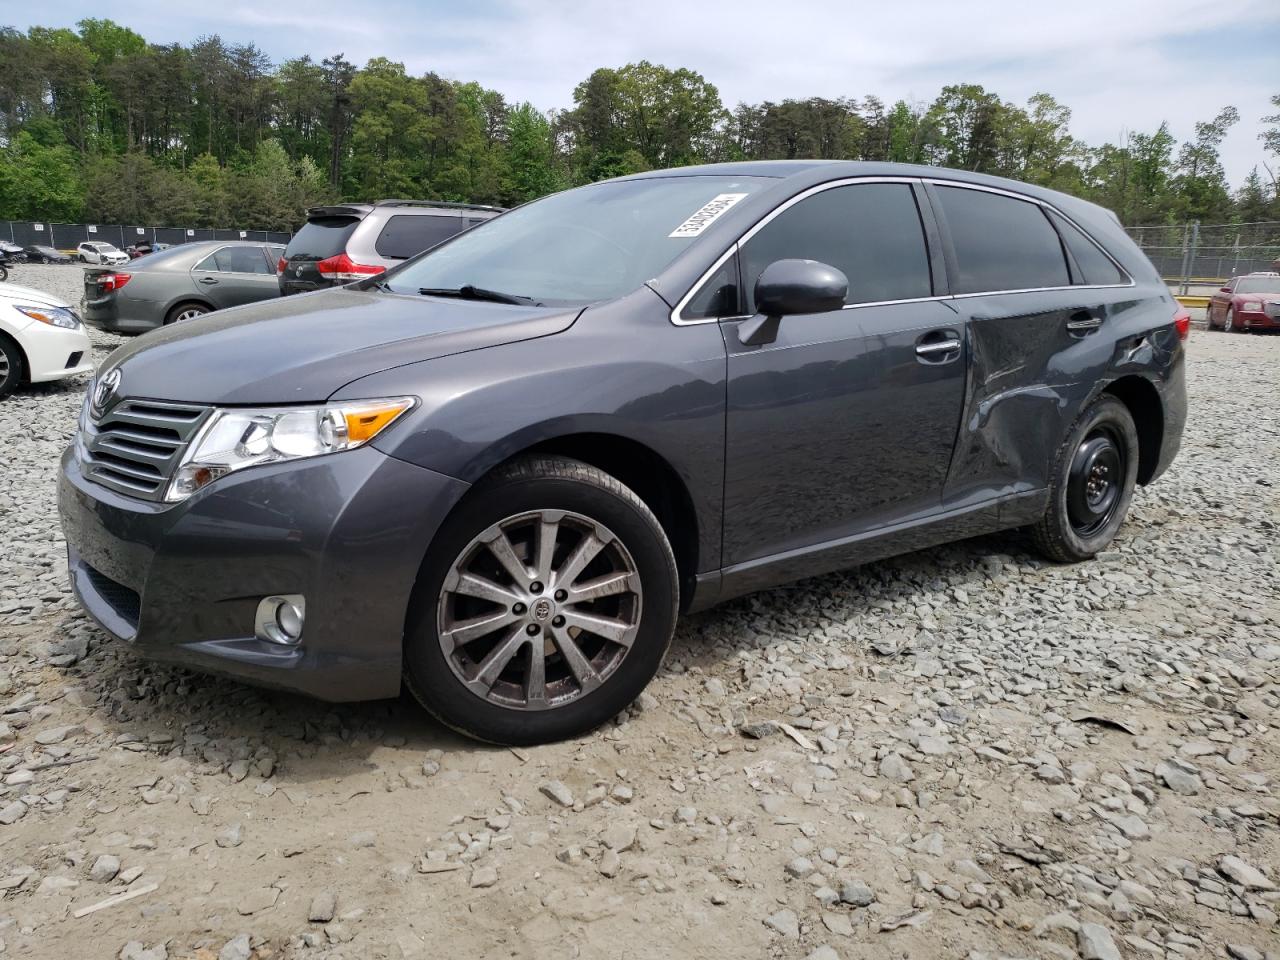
358	211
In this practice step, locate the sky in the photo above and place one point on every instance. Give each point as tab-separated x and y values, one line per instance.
1120	65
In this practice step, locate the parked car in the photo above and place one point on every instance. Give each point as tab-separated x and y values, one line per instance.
181	283
41	339
356	240
40	253
498	471
1248	302
97	252
144	247
12	252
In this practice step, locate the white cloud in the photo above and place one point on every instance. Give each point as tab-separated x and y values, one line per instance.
1119	64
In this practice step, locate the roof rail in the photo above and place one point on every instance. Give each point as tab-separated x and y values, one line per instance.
451	204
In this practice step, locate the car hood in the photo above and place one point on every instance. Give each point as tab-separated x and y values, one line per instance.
16	294
302	349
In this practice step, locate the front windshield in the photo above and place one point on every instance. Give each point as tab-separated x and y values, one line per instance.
1258	285
582	246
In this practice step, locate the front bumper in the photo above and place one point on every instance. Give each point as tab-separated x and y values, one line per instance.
181	582
55	352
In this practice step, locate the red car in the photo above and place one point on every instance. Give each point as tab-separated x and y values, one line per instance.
1250	302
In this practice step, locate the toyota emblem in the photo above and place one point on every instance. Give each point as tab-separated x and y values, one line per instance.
105	389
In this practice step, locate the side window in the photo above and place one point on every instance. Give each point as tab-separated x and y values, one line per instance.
870	231
1096	268
236	260
718	297
1001	243
407	236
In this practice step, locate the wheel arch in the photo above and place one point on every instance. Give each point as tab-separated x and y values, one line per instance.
182	301
635	464
1143	401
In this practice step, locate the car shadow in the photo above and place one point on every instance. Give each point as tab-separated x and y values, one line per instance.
209	719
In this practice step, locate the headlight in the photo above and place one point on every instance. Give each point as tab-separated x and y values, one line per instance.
237	438
1251	305
54	316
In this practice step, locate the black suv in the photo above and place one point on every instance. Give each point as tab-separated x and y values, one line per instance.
354	241
498	471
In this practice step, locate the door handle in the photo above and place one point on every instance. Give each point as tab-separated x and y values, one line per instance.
938	346
208	280
1083	323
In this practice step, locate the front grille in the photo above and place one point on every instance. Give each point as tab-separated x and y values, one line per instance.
1273	309
136	445
120	598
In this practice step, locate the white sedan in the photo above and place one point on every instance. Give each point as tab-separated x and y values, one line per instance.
96	252
41	338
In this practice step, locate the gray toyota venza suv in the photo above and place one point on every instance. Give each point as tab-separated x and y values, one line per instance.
498	471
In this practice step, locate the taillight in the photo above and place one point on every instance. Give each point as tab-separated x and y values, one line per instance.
1182	322
344	268
113	281
281	264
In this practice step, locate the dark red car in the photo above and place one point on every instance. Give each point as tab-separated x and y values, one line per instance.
1250	302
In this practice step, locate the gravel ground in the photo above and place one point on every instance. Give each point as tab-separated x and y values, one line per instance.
962	753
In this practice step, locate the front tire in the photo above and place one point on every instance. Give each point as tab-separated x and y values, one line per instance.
1229	322
11	366
1094	475
545	606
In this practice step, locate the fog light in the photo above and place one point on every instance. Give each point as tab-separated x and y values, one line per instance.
280	619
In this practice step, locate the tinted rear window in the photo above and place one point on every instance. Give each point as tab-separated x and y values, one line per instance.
870	231
406	236
1001	243
1095	267
242	260
321	238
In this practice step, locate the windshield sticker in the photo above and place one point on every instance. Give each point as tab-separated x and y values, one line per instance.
706	216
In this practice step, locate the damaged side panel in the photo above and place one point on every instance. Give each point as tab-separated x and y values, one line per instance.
1031	373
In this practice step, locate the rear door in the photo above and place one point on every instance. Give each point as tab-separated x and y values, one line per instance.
234	275
844	423
1035	293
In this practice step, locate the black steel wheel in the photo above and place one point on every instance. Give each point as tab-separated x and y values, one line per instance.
1092	483
544	607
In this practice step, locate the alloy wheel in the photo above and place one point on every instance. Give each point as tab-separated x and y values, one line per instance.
1095	481
1229	324
4	368
189	314
539	610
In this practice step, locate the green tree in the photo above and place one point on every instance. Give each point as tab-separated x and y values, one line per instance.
40	181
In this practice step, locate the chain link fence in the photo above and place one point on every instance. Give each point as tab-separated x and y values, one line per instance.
66	236
1196	254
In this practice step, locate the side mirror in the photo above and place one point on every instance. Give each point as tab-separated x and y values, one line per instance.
788	287
1224	290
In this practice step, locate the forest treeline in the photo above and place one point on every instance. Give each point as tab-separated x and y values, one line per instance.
99	124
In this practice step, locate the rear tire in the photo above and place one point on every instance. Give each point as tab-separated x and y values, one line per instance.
518	550
12	364
185	311
1094	475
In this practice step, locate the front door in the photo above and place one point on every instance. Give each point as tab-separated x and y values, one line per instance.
846	422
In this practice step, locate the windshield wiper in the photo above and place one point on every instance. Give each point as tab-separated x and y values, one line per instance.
470	292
